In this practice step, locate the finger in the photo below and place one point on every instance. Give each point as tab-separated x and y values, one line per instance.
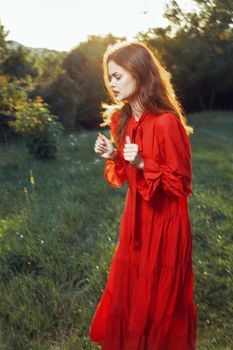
100	142
129	159
131	146
97	150
127	139
100	145
100	138
104	138
131	155
101	148
130	150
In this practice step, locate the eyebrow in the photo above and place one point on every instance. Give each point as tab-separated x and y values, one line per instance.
114	74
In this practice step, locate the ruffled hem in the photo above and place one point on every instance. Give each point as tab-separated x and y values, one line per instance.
146	311
177	332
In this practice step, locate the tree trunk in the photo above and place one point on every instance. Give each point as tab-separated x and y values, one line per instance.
200	99
212	98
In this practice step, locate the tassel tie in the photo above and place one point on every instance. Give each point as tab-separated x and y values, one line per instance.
137	136
135	230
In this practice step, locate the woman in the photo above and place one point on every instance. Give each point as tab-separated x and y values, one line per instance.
148	302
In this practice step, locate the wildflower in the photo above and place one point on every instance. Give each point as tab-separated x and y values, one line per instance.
32	179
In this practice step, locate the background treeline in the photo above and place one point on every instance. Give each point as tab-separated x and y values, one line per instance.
197	48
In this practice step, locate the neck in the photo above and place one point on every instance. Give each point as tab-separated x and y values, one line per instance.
136	109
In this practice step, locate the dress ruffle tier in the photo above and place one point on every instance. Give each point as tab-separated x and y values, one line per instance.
150	309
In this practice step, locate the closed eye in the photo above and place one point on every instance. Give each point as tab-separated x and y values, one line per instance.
117	76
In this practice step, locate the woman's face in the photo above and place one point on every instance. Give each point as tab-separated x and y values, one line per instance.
121	81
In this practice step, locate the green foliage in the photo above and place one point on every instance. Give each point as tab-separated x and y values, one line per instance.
33	120
41	128
197	48
47	63
83	66
17	65
62	97
70	83
11	92
3	35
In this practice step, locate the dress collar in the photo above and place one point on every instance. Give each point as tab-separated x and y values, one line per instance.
142	117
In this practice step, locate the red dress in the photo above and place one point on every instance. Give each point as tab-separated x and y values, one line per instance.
147	303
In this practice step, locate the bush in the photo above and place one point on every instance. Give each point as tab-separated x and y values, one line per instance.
21	116
41	129
6	133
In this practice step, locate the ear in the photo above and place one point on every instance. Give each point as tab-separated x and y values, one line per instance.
127	139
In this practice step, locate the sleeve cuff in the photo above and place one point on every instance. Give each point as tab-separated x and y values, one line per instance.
115	171
149	178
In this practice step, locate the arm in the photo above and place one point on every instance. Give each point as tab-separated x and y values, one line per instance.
173	173
115	171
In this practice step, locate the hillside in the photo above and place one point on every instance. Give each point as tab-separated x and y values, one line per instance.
13	45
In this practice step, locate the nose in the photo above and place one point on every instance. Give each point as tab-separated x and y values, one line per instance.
112	83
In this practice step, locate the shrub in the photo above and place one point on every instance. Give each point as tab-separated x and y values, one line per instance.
41	129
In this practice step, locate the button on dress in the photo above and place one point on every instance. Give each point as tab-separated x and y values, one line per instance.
147	303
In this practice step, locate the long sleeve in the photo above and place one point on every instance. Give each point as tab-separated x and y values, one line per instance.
174	172
115	171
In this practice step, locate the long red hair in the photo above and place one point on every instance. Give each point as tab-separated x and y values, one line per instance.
153	85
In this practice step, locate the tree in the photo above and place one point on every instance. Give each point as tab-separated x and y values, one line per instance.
16	64
83	65
198	49
3	35
62	97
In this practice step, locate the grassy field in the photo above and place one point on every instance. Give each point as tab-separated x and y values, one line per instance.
59	225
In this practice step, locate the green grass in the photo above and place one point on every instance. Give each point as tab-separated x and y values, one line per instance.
212	225
58	237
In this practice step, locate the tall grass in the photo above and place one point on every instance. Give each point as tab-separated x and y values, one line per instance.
59	226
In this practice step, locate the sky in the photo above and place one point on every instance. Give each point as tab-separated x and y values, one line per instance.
63	24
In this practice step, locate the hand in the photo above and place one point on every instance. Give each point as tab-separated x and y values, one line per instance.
131	154
104	148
